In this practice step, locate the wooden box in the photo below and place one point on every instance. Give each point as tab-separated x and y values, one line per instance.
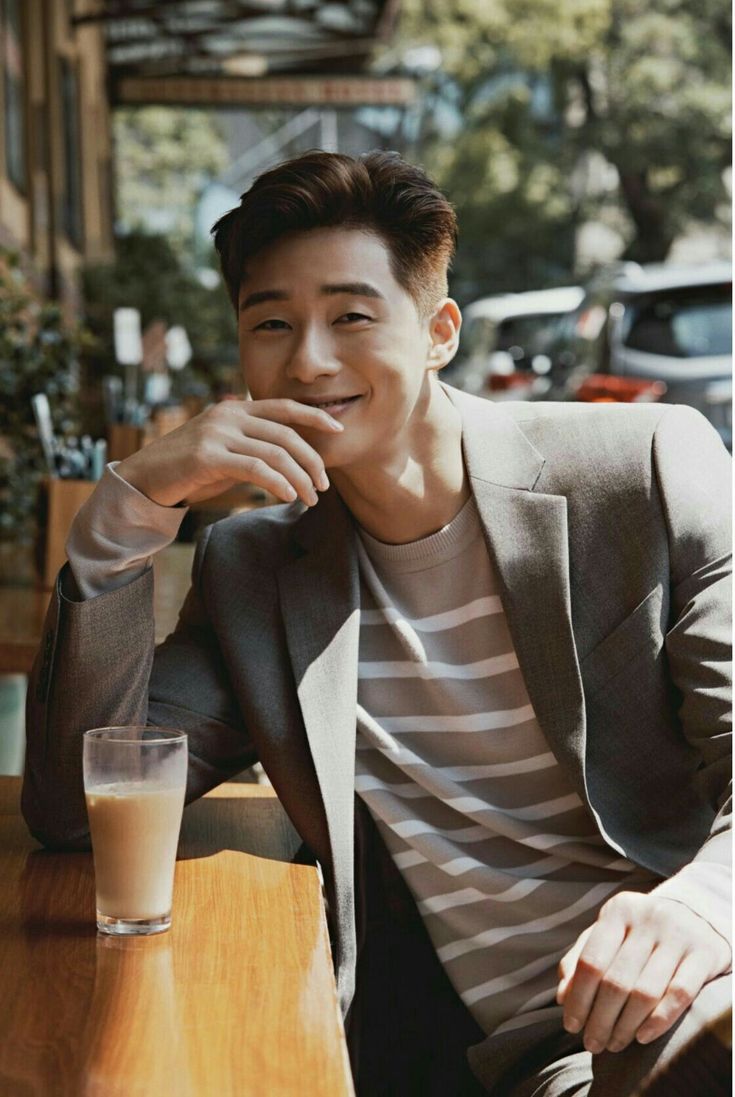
123	439
60	502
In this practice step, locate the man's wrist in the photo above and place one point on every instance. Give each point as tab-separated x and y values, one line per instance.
135	475
726	945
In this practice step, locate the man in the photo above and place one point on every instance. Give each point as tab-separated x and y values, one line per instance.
486	670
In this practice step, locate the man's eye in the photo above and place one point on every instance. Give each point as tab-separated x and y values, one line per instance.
353	317
271	325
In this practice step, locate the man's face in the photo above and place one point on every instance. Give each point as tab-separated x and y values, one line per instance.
321	319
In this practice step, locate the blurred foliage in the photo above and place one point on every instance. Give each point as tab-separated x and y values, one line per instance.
544	89
165	157
149	275
39	352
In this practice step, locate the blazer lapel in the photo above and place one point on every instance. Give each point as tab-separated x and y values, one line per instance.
527	538
320	601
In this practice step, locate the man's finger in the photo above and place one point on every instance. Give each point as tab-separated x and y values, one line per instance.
685	985
568	963
648	991
292	411
279	460
595	958
614	989
287	438
252	470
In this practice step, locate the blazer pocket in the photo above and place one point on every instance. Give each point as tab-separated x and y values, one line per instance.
641	629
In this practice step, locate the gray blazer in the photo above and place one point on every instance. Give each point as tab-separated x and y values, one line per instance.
608	528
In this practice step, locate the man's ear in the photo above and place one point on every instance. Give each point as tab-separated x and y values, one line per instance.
444	325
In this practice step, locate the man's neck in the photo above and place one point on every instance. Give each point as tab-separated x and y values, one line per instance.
416	493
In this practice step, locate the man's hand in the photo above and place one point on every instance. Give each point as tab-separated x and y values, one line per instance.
634	972
253	441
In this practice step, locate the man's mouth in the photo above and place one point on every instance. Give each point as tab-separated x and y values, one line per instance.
333	405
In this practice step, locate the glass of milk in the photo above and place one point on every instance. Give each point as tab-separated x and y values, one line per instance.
134	784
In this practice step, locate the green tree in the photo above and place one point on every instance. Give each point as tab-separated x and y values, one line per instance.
149	275
657	104
542	85
165	157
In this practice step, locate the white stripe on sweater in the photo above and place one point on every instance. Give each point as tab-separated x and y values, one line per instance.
408	668
458	866
468	804
435	622
402	756
546	865
497	769
511	979
436	903
544	997
476	721
407	828
537	925
408	791
409	858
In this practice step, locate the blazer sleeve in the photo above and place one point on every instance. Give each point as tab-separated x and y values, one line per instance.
693	472
98	666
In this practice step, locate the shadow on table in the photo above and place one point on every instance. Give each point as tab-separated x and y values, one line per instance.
51	897
258	826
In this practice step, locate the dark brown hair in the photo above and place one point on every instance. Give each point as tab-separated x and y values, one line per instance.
379	192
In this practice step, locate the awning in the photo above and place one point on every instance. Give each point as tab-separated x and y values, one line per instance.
220	45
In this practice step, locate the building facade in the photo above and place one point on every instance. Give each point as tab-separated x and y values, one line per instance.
55	143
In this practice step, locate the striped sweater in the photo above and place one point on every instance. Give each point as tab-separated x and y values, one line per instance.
502	856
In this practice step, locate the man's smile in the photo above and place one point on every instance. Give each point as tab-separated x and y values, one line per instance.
335	405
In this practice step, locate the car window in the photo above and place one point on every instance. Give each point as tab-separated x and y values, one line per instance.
477	337
691	322
522	331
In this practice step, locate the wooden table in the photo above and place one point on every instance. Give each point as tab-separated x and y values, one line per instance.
23	606
238	998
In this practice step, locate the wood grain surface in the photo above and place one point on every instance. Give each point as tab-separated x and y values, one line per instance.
238	998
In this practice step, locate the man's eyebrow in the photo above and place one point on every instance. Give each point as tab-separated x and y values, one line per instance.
262	295
355	289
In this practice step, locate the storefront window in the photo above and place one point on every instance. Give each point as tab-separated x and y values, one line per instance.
14	77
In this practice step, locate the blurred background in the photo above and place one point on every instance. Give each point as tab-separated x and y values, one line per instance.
585	144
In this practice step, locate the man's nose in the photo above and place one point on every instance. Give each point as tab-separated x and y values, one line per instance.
312	357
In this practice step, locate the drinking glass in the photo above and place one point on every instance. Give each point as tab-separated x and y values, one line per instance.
134	785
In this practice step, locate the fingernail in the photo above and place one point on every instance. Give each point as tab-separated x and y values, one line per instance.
335	425
593	1046
645	1037
323	482
313	498
615	1045
571	1024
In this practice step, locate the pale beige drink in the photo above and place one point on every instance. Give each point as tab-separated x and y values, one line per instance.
135	832
134	784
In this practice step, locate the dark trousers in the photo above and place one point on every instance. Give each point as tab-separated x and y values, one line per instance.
408	1030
